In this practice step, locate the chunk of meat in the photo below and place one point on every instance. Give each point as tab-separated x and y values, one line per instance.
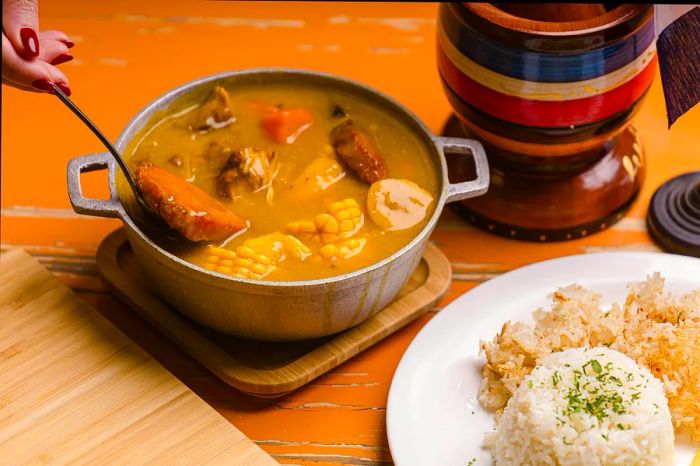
186	207
338	111
215	112
356	149
214	156
285	125
257	167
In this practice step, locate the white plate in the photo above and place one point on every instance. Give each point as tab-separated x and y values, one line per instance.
433	416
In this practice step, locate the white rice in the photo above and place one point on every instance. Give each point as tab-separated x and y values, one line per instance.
618	415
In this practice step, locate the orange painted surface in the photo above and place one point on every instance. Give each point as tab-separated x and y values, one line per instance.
129	52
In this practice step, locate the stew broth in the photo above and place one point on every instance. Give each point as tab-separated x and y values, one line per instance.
307	213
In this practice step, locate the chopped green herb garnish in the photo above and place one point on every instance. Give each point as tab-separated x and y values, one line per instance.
616	380
556	378
597	397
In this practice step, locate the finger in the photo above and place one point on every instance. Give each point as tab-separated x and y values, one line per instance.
20	24
58	77
53	51
19	86
56	35
36	73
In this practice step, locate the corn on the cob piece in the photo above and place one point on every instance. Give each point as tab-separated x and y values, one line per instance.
257	257
244	262
343	250
343	219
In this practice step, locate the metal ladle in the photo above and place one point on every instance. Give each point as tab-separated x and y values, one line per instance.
158	222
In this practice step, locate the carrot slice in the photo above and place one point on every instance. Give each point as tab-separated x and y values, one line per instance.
285	125
186	207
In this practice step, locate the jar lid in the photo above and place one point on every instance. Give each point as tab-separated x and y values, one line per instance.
674	215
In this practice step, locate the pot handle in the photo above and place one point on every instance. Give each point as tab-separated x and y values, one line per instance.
97	207
466	189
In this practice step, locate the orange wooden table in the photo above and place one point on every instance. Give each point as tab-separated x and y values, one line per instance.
129	52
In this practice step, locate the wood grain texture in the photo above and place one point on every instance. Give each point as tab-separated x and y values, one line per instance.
270	369
552	17
553	11
73	389
138	50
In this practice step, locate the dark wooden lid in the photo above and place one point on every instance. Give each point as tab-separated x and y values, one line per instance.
674	215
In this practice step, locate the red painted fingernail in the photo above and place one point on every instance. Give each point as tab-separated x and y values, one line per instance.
68	43
64	88
30	42
64	57
43	85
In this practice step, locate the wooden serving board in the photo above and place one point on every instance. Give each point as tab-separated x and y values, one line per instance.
268	369
74	389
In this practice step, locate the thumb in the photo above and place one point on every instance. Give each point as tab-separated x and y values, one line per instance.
20	24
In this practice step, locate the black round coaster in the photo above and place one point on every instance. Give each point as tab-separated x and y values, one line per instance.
674	215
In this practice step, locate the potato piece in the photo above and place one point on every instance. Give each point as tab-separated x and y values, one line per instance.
278	246
397	204
320	174
215	112
186	207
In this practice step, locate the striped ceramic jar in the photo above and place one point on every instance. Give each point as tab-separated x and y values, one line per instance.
552	102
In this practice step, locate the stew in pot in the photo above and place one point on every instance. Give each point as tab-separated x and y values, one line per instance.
284	182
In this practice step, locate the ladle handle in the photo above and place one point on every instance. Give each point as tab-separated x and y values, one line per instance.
83	205
115	153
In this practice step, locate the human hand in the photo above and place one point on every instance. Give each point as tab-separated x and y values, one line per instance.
29	57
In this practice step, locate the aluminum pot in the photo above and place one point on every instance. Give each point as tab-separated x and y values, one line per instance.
276	310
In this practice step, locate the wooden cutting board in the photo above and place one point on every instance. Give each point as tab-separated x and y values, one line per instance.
74	389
